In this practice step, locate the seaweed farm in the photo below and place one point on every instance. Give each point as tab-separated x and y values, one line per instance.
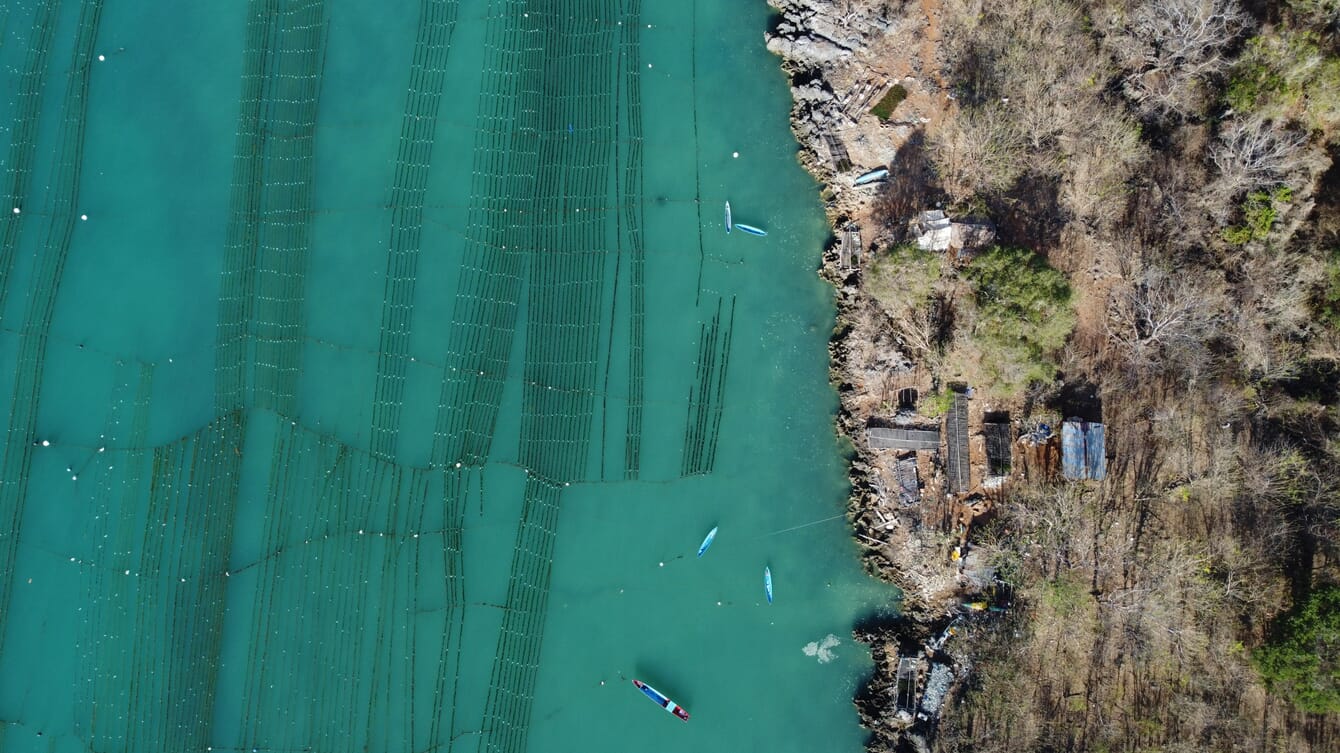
373	375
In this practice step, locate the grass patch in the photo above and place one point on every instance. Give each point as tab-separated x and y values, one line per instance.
889	102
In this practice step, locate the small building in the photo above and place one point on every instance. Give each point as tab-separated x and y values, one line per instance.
998	455
907	684
909	484
838	152
1083	450
849	248
893	438
957	459
934	231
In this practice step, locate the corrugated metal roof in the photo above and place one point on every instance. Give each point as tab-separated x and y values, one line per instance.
881	438
1083	450
909	487
956	449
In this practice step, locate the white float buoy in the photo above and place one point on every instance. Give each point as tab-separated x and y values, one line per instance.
736	155
17	210
101	58
83	217
46	443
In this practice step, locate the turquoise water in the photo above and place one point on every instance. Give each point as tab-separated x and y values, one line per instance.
399	367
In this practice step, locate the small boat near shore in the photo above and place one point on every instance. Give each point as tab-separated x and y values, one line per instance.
767	582
877	174
728	222
750	229
661	700
711	535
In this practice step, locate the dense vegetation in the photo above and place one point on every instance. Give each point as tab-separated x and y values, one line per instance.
1173	160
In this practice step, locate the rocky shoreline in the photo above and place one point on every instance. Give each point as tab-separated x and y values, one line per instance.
842	57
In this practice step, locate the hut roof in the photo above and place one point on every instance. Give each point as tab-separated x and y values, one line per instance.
881	438
1083	450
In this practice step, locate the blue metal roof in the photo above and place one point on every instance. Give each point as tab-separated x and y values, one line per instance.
1083	450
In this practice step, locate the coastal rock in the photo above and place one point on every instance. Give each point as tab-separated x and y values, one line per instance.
808	50
843	57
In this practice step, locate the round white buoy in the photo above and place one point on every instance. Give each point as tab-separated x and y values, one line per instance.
83	217
46	442
101	58
662	564
736	155
17	210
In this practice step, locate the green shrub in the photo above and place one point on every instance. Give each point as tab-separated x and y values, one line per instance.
1328	300
938	404
890	101
1303	663
1287	75
903	279
1259	212
1024	314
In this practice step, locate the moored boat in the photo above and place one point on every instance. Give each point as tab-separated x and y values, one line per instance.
728	222
661	700
712	534
750	229
877	174
767	582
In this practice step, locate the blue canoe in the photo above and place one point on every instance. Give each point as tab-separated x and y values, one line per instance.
750	229
661	700
728	222
712	534
767	583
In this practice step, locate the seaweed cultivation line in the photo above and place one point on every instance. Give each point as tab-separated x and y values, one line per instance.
577	76
417	132
17	452
258	585
706	396
697	158
23	141
156	588
260	331
502	182
631	197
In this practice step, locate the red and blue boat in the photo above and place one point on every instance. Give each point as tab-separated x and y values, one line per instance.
661	700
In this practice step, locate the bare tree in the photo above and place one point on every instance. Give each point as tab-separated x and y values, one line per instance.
1252	153
1102	159
1173	46
980	151
1162	319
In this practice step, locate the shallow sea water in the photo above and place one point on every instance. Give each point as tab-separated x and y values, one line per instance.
400	365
